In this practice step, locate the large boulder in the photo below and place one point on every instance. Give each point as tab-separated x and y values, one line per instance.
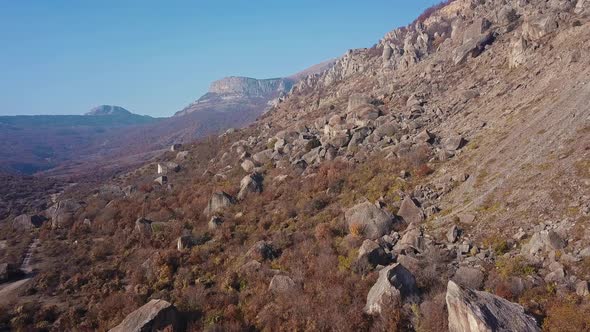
368	220
476	311
62	213
395	283
25	222
156	315
250	184
410	212
218	202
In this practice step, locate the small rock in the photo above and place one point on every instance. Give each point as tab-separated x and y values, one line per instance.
453	234
215	222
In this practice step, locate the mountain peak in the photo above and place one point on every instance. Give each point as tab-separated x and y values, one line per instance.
108	110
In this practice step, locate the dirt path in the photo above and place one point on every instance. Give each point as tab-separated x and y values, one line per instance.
8	291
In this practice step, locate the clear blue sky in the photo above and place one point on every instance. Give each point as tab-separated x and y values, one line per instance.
155	56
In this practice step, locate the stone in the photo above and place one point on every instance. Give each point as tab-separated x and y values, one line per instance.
175	147
26	222
477	311
356	100
535	28
143	227
248	165
395	283
386	130
183	155
467	218
453	143
262	250
582	6
156	315
62	213
161	180
518	52
453	234
543	241
473	47
582	288
372	253
281	284
7	272
410	212
263	157
425	137
469	277
412	238
215	222
463	248
184	242
250	184
218	202
368	220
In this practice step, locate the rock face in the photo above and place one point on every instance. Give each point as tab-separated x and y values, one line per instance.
371	221
475	311
251	87
395	283
154	316
218	202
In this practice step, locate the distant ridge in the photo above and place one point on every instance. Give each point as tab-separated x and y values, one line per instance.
107	110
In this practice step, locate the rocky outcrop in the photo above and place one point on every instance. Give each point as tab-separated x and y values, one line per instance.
156	315
369	221
395	283
475	311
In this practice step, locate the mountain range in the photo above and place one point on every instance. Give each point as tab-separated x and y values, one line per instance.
110	138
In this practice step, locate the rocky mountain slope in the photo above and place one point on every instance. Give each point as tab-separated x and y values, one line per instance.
436	181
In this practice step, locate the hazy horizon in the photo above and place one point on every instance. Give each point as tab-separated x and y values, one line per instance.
154	58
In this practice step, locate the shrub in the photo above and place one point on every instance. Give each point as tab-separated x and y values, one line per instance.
357	229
